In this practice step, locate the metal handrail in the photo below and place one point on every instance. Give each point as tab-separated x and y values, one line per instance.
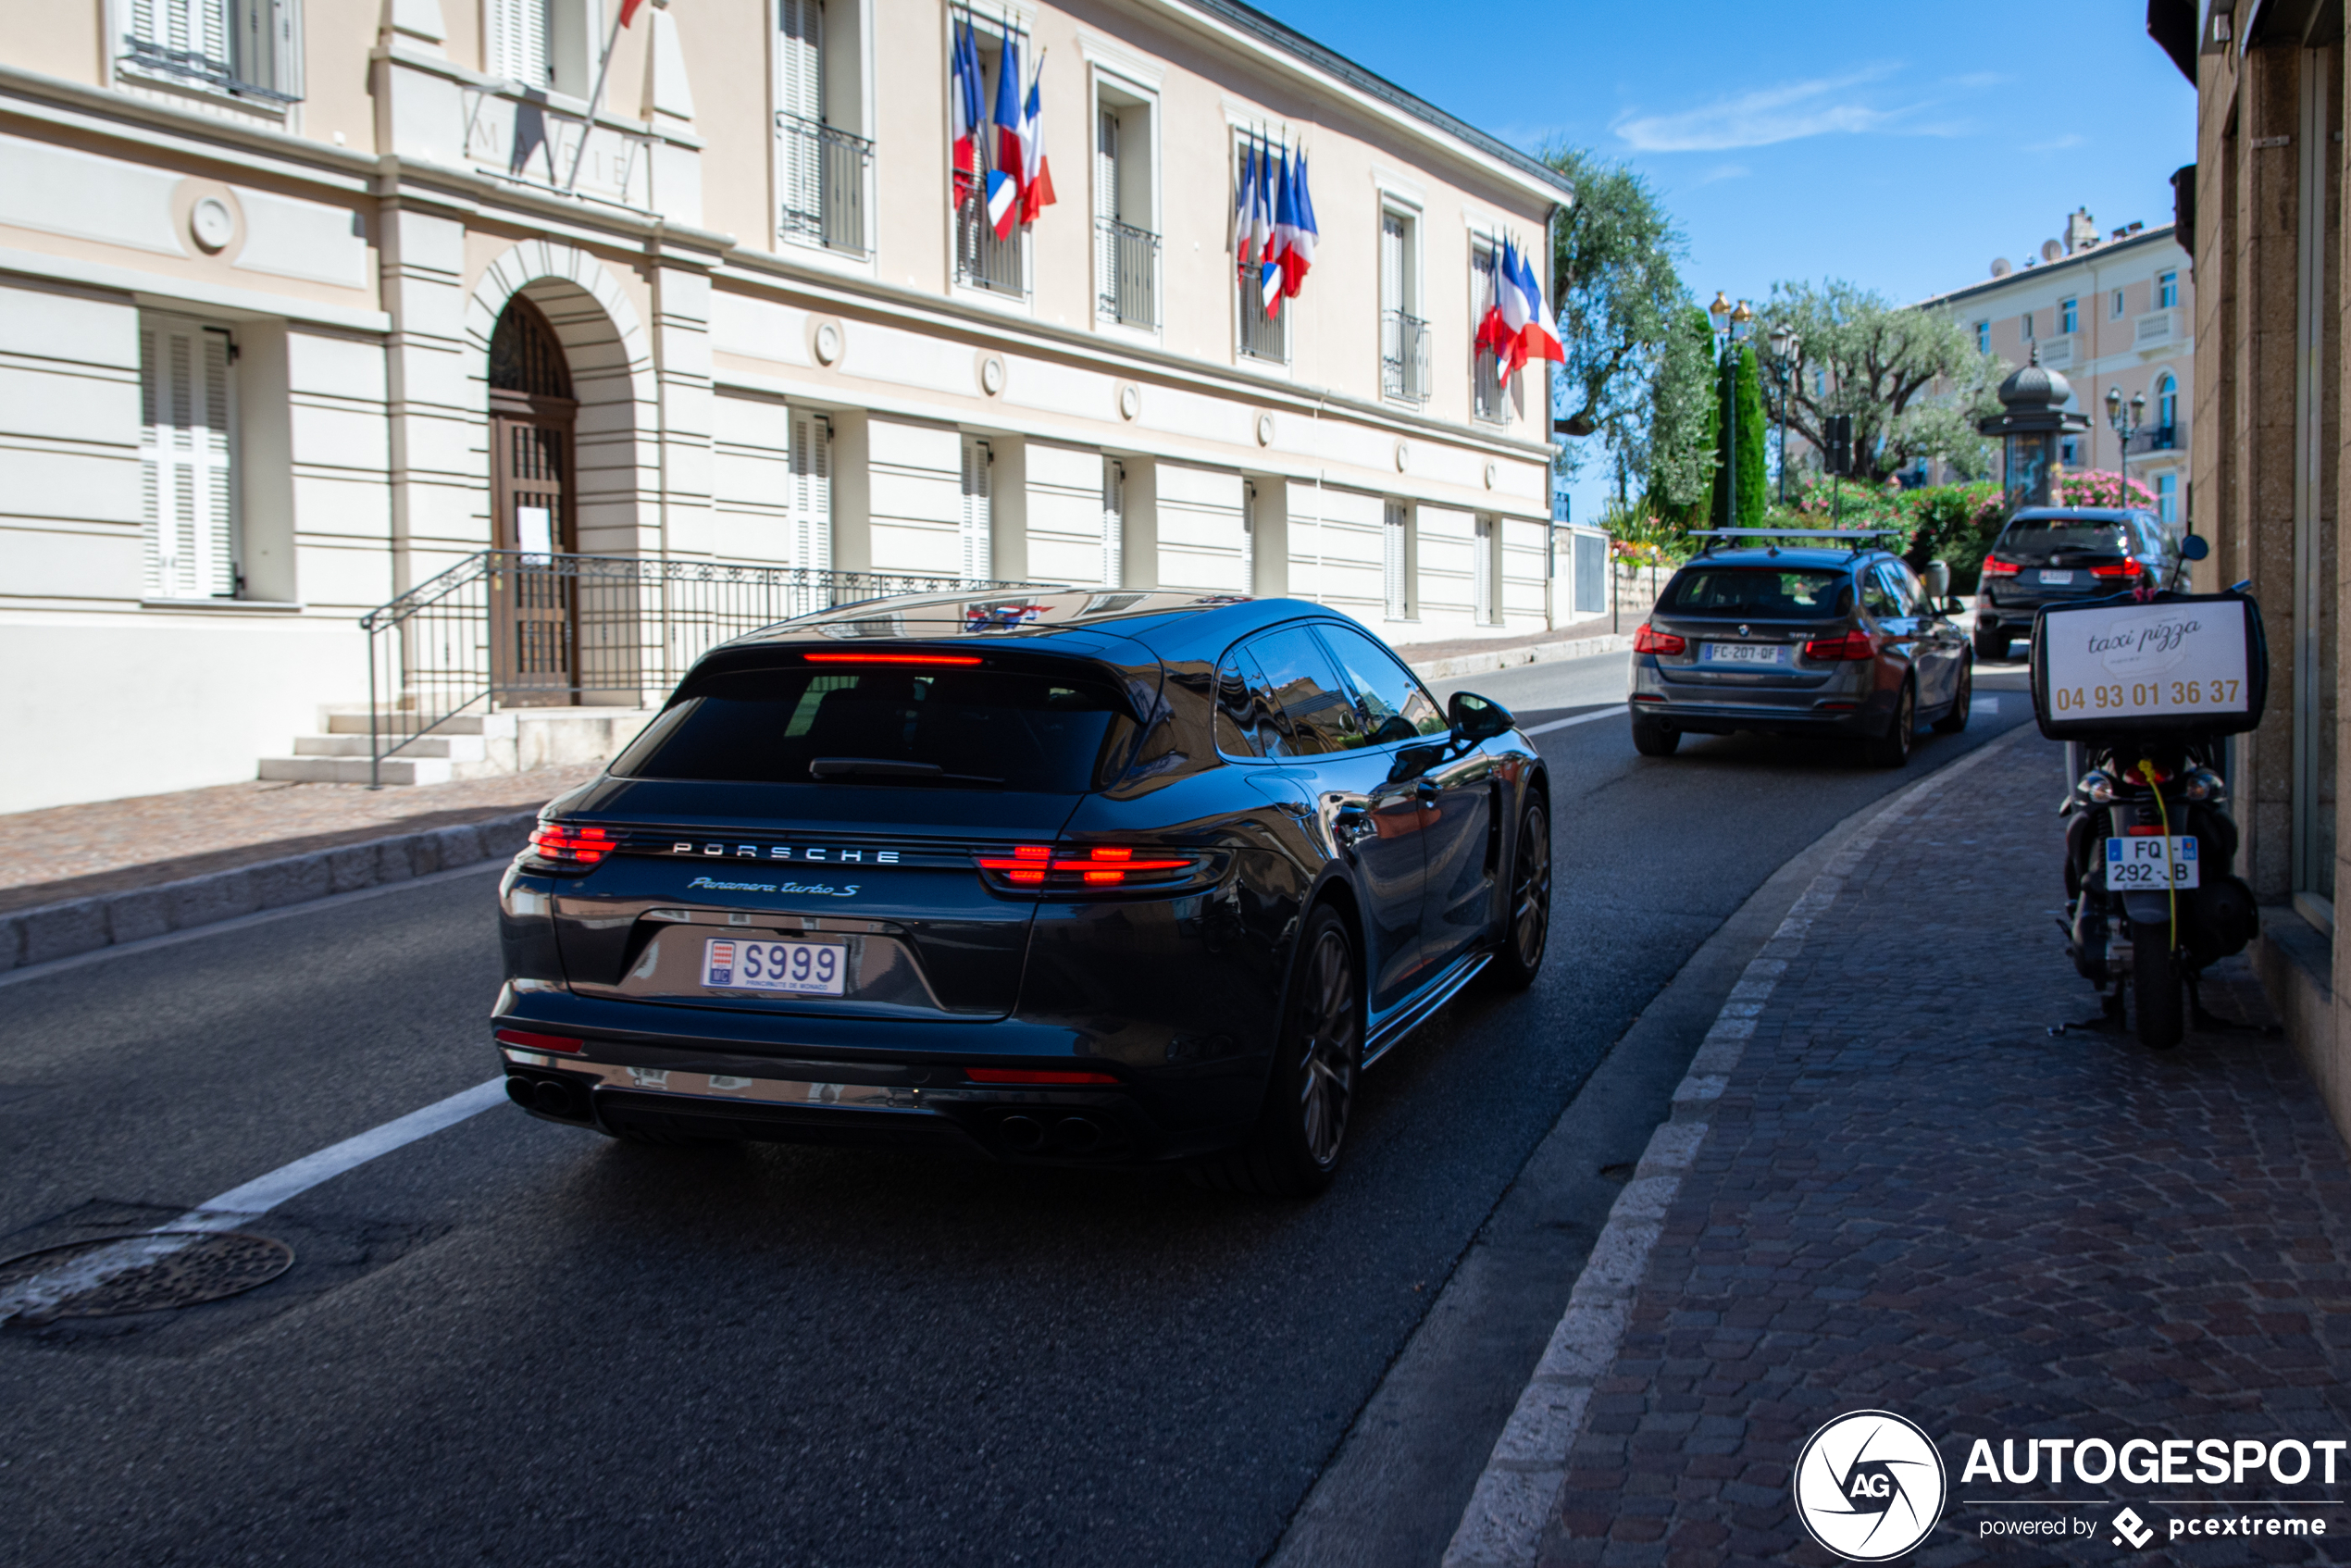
502	625
983	261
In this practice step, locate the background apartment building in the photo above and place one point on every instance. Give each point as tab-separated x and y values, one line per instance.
2117	312
304	302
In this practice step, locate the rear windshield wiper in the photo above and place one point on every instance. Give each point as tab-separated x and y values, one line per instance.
890	767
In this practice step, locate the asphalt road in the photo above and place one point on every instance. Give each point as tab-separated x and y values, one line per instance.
518	1343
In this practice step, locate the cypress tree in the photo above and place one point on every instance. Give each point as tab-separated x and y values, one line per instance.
1741	377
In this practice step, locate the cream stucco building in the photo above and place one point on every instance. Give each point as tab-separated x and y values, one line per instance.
301	305
2113	311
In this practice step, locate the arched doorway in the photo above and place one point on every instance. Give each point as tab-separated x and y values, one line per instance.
533	485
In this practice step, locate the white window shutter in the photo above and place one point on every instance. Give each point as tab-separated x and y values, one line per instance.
518	49
1392	560
1391	262
1249	538
976	516
811	491
1113	522
800	101
187	468
1483	572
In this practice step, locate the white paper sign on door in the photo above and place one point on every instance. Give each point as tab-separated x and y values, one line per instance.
535	530
2146	661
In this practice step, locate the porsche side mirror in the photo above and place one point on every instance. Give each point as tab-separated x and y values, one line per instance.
1477	719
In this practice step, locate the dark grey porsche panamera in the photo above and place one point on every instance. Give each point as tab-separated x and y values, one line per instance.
1083	878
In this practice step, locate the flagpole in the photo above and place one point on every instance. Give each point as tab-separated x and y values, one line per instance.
596	99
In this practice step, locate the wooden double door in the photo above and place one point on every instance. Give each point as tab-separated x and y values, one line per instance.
535	594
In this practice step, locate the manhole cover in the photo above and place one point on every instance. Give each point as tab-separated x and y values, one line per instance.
147	1273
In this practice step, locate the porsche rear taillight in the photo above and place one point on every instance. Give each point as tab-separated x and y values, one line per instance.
1995	566
1076	867
558	843
2126	569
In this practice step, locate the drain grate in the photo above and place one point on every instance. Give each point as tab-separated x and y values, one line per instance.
123	1275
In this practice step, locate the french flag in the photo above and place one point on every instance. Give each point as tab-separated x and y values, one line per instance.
1285	217
1003	181
964	102
1036	174
1261	208
1300	258
1509	290
1245	206
1493	335
1539	338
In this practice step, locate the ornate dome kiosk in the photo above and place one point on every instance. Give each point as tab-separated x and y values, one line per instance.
2033	416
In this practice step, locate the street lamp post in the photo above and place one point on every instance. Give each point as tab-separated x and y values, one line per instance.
2125	427
1731	326
1786	347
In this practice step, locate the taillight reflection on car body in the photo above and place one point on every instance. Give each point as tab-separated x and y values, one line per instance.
1071	866
1995	566
560	844
1647	639
1852	645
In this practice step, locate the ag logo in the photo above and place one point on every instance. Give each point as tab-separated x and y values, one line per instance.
1869	1486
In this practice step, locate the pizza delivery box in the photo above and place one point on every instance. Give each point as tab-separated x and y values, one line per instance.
2179	666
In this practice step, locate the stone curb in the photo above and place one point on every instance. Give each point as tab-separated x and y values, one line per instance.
1506	658
79	926
1503	1527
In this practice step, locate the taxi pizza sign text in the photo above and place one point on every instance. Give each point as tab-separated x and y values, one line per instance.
2146	661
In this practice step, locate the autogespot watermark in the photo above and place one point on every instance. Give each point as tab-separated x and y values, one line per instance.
1871	1485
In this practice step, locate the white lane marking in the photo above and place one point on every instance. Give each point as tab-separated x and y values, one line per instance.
235	923
240	1204
1579	719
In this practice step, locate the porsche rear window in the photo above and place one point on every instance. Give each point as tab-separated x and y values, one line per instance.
883	726
1761	591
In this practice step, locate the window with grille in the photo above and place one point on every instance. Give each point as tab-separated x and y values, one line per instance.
1983	337
2066	316
1490	392
1404	333
2167	291
187	458
246	48
977	521
1125	244
1262	335
1396	560
811	500
983	261
821	164
1113	522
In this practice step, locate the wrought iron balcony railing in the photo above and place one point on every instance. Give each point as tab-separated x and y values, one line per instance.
983	261
1129	262
1403	357
1490	394
825	175
1262	336
193	65
2155	438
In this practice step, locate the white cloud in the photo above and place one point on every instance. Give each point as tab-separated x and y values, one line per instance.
1760	118
1725	171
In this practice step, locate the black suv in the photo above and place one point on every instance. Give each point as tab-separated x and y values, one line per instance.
2051	555
1080	877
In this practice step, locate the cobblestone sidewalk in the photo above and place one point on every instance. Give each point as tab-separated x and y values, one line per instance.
1915	1199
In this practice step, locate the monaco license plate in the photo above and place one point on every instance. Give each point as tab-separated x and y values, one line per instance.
2057	579
806	968
1745	654
2134	863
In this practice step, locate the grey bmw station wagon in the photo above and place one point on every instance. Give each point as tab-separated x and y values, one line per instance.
1840	640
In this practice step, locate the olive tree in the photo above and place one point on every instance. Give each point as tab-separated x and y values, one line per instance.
1619	299
1912	380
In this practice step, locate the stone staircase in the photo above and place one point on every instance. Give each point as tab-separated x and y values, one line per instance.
466	746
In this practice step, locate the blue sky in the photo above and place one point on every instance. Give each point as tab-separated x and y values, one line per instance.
1900	146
